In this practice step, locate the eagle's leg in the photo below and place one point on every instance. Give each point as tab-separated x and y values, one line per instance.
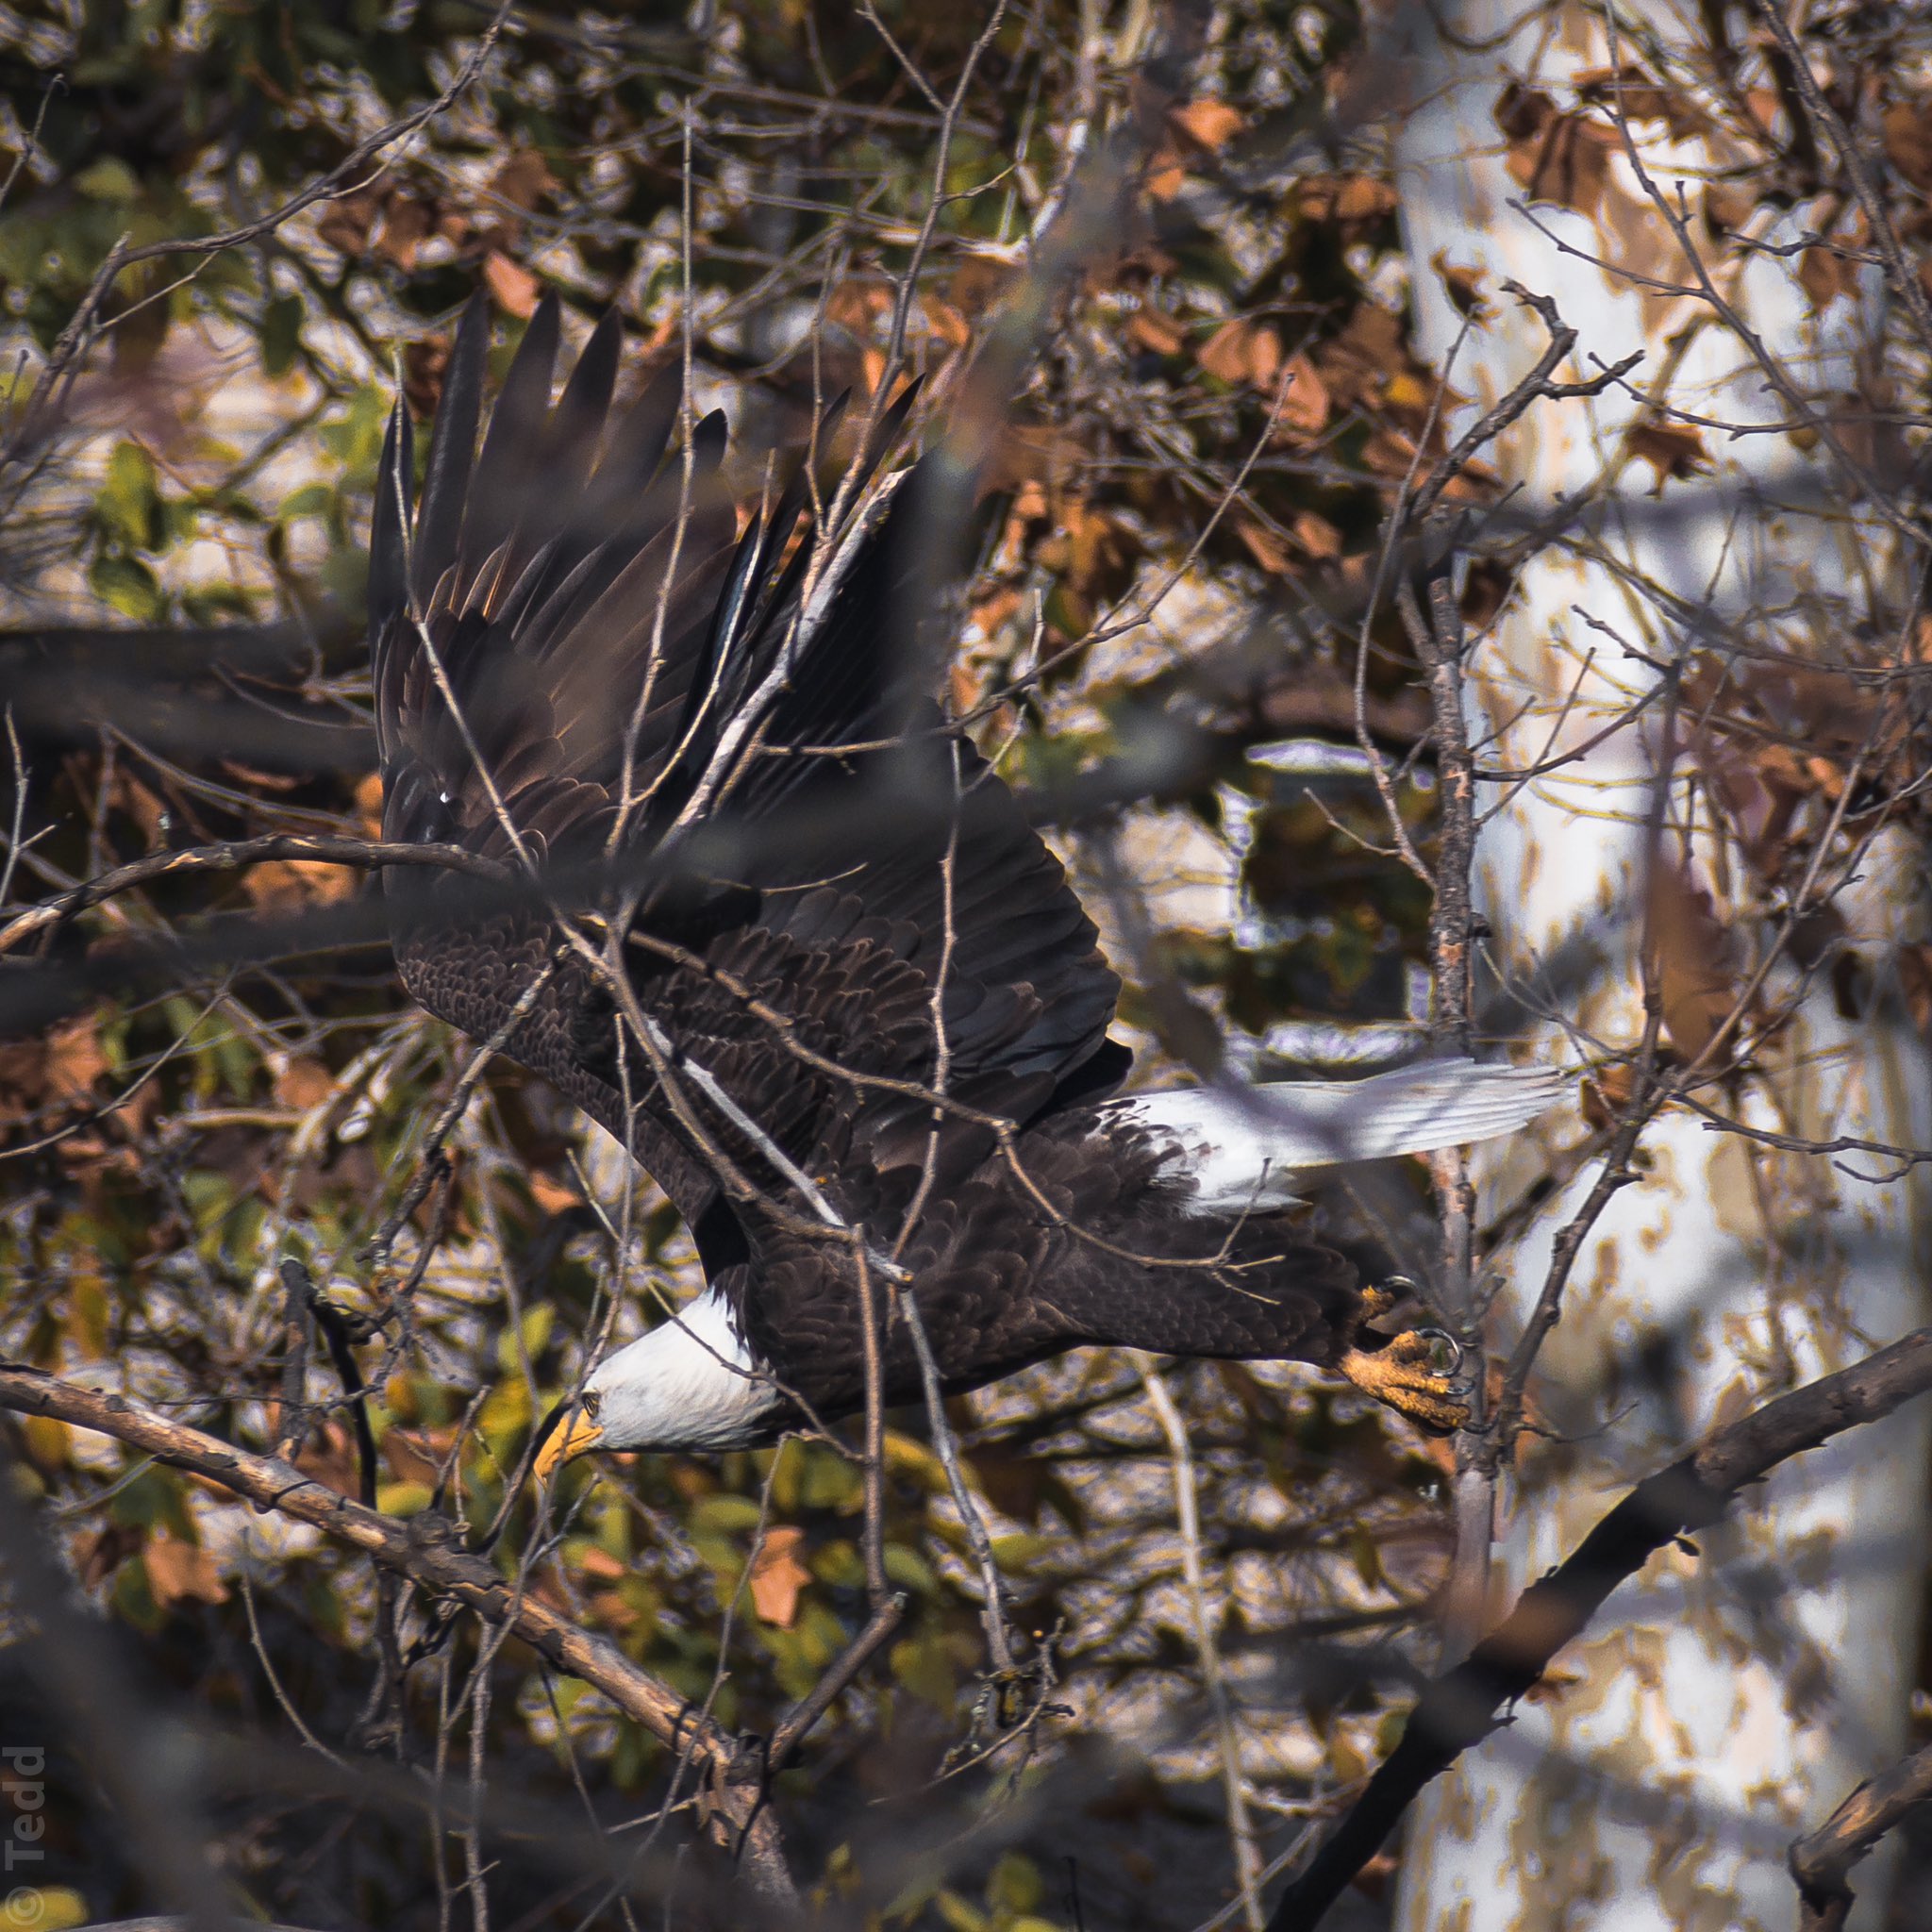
1418	1373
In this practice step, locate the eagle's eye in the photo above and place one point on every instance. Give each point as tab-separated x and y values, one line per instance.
593	1402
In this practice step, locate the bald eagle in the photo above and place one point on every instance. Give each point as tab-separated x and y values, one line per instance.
791	941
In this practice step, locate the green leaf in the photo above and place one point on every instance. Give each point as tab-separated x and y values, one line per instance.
958	1915
1015	1885
129	585
281	334
538	1323
311	500
910	1570
130	505
109	179
724	1514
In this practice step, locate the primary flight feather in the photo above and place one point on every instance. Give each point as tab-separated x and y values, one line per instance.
786	937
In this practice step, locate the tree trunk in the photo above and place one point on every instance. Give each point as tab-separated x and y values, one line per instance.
1723	1702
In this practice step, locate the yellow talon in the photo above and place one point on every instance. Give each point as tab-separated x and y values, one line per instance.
1409	1373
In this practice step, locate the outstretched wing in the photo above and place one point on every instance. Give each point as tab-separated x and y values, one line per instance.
832	902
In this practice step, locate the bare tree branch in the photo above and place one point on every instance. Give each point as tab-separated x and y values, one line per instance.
1458	1709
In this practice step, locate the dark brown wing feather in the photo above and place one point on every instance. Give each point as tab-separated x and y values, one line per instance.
571	610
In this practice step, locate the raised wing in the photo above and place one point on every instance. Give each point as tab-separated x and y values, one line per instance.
578	658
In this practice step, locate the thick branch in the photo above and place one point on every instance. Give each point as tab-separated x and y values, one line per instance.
1461	1707
1821	1862
425	1551
368	855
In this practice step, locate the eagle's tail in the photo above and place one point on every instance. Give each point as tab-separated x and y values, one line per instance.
1244	1145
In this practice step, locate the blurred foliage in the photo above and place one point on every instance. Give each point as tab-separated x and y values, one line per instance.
1228	393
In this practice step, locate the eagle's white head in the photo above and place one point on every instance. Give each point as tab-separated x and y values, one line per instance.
691	1384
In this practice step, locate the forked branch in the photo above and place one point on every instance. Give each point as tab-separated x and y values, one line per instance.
1458	1709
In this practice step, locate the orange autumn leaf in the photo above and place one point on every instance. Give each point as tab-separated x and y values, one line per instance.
945	321
1316	534
514	286
1263	545
552	1197
1243	352
369	805
1165	176
1209	125
599	1564
777	1576
289	885
1154	328
1305	406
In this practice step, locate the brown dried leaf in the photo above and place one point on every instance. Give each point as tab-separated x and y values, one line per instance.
1673	449
1522	112
330	1458
598	1563
1824	276
344	224
1605	1094
1908	140
514	286
1915	982
858	304
1464	287
523	180
98	1556
1726	209
1550	1687
1098	548
777	1576
415	1456
962	687
425	362
178	1572
1641	98
1692	948
1566	163
406	225
304	1083
74	1058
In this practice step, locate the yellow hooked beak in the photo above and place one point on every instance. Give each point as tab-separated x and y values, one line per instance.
576	1435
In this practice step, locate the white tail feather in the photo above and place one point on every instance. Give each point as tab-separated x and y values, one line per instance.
1245	1144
